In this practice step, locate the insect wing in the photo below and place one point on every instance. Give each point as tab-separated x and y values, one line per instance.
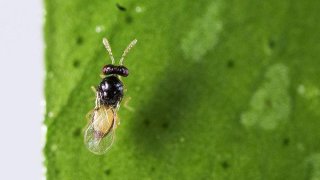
100	133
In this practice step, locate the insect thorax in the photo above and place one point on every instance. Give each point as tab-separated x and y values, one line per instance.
110	91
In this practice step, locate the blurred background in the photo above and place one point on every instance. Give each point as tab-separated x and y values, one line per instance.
21	98
219	89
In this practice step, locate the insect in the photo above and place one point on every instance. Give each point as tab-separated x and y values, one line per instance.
100	131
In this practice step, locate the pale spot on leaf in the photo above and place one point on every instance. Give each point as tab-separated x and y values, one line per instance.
311	95
314	165
204	33
270	104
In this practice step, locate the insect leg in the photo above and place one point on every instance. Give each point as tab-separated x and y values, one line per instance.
102	76
127	106
94	89
97	102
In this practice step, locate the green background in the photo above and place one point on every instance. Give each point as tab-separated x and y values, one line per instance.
219	89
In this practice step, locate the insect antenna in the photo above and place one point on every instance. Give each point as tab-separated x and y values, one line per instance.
108	47
125	52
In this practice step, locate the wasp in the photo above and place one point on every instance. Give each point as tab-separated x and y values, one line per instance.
100	132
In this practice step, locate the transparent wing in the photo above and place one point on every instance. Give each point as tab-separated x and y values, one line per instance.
100	133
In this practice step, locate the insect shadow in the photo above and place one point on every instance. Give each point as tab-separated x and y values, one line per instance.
173	98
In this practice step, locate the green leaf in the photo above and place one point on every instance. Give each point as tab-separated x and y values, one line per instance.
219	89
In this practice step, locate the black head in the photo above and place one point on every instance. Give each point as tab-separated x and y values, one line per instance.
115	70
110	91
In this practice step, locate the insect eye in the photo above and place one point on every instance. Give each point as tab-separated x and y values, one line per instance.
108	69
123	71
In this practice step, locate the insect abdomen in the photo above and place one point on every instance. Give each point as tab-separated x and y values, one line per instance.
103	120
